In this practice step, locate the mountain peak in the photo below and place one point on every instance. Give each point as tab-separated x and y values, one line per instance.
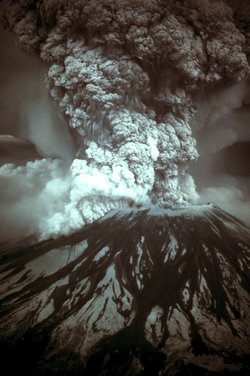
150	290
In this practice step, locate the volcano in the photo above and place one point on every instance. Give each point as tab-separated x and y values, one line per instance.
138	292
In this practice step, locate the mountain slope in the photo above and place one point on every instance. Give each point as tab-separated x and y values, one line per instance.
136	292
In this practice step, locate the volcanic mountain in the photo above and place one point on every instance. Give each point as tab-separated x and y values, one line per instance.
138	292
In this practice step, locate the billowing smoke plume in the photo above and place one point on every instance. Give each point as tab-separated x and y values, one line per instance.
126	76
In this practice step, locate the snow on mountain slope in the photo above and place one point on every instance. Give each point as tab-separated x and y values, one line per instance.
136	293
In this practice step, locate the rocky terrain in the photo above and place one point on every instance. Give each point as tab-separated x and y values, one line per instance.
138	292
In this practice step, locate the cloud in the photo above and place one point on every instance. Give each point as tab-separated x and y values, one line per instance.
222	119
126	84
232	195
46	199
26	109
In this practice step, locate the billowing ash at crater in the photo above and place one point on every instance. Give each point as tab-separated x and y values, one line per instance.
125	75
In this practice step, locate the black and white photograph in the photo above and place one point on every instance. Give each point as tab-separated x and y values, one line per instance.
125	187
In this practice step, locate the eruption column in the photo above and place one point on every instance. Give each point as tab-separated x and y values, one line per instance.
125	75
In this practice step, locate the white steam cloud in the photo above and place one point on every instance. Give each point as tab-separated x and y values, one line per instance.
43	199
125	76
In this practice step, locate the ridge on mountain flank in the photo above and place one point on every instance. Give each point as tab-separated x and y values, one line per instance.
138	292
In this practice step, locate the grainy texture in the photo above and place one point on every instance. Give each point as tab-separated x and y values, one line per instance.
124	74
137	290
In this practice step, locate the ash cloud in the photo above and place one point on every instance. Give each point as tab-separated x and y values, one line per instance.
127	77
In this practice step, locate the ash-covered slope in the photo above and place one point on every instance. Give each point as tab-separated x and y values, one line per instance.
136	293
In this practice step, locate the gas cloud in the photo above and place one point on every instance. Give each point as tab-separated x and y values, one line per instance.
144	88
